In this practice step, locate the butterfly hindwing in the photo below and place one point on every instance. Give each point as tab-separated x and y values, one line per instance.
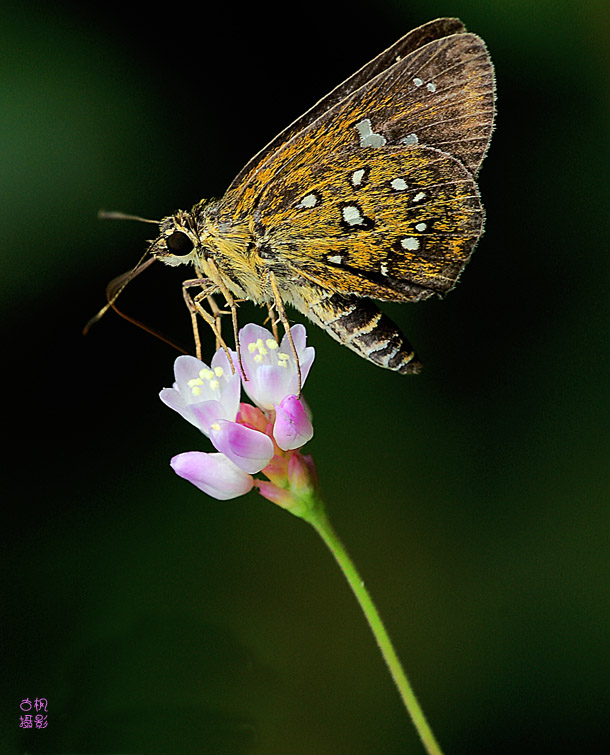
399	228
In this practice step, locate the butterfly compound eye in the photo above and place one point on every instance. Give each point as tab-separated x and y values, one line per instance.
178	243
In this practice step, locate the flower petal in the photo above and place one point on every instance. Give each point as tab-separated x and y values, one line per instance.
186	368
292	428
270	367
203	394
205	414
249	449
214	474
269	384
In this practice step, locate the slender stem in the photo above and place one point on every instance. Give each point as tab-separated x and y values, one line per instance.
316	516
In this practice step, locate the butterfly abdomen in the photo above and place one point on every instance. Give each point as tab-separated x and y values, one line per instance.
361	325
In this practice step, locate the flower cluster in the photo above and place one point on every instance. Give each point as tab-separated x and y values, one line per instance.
248	439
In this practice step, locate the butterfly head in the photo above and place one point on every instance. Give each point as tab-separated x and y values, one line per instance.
177	242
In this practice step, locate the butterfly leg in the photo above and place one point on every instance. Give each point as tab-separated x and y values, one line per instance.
279	307
193	303
217	314
271	318
361	325
232	304
214	309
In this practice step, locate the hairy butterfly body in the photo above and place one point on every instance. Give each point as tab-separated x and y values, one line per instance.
369	195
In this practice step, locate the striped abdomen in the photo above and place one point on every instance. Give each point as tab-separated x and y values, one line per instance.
361	325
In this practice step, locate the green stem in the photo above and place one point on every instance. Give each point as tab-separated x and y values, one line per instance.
316	516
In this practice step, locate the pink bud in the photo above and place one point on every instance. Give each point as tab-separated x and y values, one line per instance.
292	427
274	494
299	475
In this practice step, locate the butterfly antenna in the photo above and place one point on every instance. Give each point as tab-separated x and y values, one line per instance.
114	215
116	287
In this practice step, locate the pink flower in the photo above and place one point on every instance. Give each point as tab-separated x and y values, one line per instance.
248	439
271	371
208	398
202	394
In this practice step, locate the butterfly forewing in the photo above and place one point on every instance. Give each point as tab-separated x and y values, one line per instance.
441	27
441	95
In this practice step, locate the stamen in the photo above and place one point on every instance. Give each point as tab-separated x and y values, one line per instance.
261	346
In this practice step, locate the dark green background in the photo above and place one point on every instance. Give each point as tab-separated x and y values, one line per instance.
474	498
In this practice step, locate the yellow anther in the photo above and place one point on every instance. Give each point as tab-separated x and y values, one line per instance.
205	374
251	347
214	384
215	426
194	381
196	390
258	358
260	346
219	371
271	343
282	356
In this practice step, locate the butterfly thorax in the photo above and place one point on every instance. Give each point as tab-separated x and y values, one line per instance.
217	245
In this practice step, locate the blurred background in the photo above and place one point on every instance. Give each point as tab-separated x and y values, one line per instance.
473	498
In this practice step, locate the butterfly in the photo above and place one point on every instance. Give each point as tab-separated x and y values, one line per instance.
370	195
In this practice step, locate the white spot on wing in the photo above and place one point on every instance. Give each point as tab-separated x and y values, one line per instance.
367	137
357	176
309	200
417	82
420	227
419	196
410	243
352	215
398	184
410	140
431	87
336	259
384	269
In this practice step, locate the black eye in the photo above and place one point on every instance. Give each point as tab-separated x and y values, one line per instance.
179	243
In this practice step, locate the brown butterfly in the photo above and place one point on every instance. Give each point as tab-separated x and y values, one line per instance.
371	194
